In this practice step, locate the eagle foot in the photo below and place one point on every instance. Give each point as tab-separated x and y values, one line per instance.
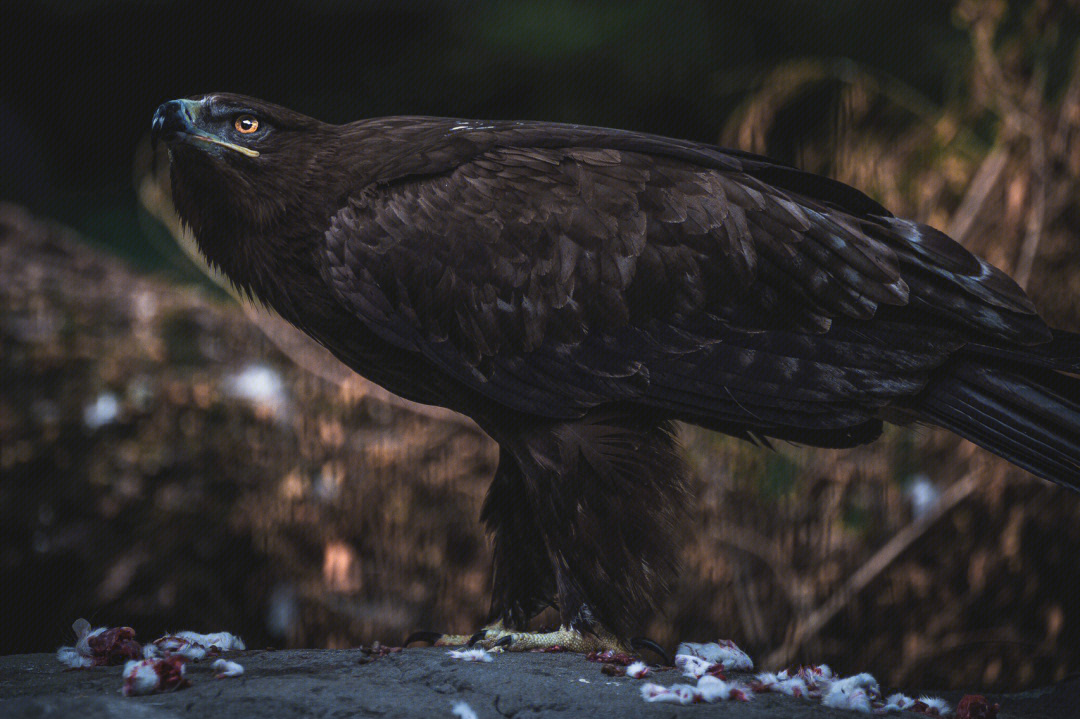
438	639
496	637
564	639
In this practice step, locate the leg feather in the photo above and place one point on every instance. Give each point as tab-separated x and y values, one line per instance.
607	494
523	582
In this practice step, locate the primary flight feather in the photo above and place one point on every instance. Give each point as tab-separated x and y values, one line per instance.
575	289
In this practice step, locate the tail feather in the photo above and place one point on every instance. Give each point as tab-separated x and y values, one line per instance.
1016	403
1061	353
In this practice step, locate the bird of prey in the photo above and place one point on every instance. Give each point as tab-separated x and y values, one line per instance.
576	290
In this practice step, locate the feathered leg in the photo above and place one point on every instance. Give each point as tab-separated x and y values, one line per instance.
523	582
584	514
605	495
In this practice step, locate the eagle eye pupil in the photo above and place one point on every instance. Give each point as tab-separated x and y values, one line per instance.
246	124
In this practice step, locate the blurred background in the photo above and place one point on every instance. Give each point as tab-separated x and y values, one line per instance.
171	460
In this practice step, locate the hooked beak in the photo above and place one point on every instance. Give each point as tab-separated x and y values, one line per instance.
176	121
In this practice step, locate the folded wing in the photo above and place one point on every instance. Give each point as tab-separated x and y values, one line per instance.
715	287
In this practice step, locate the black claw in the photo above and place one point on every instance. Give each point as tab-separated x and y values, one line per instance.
429	637
643	643
476	637
504	641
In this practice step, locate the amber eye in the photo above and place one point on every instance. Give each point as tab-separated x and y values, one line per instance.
246	124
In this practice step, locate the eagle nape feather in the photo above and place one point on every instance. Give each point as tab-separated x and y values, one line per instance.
575	290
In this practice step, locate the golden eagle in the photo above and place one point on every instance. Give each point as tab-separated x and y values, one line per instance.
574	290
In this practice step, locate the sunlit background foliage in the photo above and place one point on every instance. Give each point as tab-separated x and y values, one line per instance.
170	460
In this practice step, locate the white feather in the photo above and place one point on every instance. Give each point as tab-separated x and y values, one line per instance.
471	655
463	711
225	668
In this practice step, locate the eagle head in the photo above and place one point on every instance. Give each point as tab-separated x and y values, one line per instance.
248	177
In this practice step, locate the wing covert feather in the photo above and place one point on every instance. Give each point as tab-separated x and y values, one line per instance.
556	279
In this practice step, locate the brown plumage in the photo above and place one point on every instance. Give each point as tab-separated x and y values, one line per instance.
576	289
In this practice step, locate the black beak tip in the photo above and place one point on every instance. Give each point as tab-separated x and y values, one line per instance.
171	119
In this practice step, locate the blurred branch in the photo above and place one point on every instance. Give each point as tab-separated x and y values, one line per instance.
816	620
771	89
759	546
1025	113
1068	120
1037	213
986	178
959	640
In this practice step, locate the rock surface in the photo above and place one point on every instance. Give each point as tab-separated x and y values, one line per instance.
418	682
